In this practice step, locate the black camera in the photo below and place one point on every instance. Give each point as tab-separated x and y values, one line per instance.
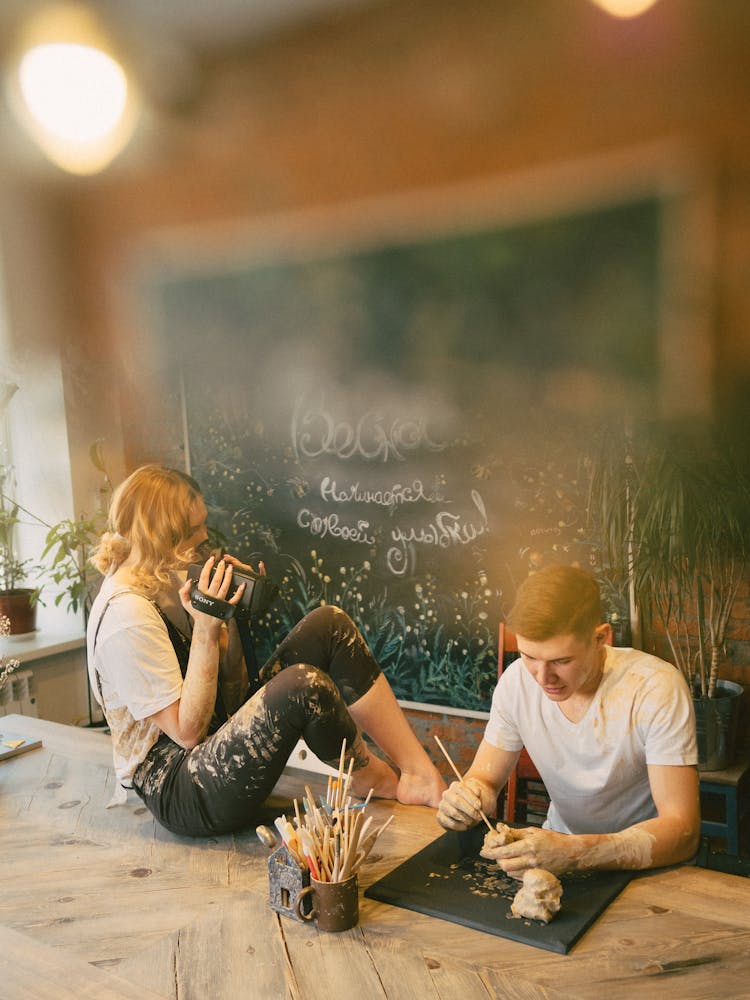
258	595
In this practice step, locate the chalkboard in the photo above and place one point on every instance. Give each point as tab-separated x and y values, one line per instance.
401	428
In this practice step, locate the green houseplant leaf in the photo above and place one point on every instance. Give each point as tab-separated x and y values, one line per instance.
673	507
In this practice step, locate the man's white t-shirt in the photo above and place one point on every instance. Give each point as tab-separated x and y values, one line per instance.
595	770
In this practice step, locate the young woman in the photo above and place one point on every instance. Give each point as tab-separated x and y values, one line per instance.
200	749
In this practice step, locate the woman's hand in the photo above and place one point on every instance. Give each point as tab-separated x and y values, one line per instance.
244	567
215	580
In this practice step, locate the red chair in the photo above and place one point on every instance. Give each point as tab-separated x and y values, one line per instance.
524	769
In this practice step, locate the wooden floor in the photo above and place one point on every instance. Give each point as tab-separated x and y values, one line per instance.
102	903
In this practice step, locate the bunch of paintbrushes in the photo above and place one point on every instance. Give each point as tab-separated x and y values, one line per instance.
332	837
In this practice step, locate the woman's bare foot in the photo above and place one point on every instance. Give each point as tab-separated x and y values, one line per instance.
412	788
423	788
375	775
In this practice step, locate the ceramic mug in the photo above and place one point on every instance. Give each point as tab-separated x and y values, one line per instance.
335	905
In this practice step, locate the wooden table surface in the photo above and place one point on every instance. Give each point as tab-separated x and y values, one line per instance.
103	903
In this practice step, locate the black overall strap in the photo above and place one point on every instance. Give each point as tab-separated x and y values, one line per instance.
248	650
180	644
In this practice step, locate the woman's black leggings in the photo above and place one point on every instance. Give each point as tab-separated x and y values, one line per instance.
322	666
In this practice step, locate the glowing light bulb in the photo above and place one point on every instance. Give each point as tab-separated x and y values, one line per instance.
75	92
624	8
71	94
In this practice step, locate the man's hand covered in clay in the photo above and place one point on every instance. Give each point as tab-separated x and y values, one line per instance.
461	805
535	848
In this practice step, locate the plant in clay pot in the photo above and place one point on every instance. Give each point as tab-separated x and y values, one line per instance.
69	545
68	548
17	599
673	508
65	559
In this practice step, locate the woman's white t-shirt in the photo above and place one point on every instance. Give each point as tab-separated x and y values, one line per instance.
130	650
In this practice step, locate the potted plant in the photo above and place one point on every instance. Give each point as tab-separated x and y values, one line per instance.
64	562
66	558
67	551
68	547
673	508
18	601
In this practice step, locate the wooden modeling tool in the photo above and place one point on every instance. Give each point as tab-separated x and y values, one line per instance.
458	775
334	838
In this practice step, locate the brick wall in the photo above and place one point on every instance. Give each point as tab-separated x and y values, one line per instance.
460	737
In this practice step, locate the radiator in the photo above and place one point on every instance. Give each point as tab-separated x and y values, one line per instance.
18	695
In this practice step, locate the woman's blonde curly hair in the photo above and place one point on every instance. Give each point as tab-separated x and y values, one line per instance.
150	512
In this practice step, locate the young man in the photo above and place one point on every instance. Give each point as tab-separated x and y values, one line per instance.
611	732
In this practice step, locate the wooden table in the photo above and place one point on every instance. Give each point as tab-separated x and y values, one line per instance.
103	903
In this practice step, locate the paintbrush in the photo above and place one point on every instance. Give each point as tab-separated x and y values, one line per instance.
308	849
458	775
348	780
288	837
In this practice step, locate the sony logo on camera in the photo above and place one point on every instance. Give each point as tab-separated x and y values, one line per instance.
258	594
209	605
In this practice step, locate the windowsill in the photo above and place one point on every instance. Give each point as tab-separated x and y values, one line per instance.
40	644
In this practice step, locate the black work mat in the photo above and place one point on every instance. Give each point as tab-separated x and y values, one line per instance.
448	879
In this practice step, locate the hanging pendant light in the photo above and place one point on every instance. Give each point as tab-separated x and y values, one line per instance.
70	91
625	8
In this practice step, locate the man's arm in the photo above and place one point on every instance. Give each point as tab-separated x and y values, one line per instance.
671	837
461	803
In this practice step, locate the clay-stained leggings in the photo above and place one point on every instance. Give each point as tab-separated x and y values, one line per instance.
323	665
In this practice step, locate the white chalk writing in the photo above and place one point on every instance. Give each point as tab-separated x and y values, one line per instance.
331	524
391	496
316	432
444	530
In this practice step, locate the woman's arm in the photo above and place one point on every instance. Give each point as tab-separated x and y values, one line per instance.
186	720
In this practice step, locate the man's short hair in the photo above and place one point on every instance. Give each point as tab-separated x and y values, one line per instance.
557	600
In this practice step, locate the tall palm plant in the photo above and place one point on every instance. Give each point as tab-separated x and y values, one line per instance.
673	508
